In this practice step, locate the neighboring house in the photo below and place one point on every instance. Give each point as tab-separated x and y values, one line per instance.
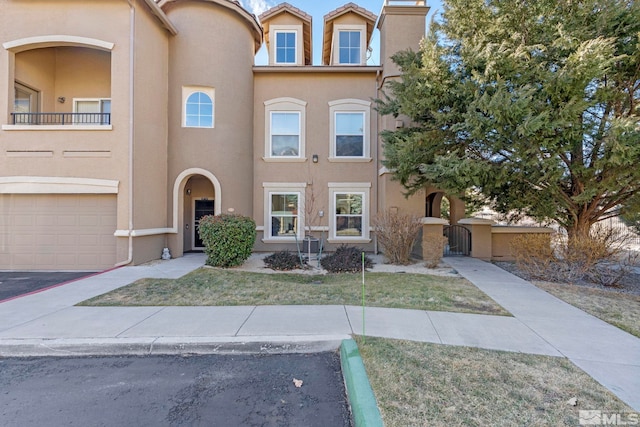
125	121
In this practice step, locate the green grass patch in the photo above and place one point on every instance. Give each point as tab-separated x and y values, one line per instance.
421	384
219	287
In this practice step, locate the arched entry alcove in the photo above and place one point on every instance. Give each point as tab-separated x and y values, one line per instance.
440	205
196	192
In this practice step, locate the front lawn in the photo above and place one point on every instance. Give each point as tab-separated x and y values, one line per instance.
220	287
617	308
421	384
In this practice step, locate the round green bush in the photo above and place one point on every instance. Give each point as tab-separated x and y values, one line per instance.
228	239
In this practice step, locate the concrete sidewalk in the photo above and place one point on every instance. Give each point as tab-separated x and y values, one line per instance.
48	323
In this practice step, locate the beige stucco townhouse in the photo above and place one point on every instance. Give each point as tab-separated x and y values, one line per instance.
124	121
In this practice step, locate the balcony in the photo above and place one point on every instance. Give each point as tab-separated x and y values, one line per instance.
58	119
60	88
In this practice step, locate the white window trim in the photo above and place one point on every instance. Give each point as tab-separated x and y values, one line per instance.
350	106
284	105
363	188
283	188
187	91
299	45
362	29
297	30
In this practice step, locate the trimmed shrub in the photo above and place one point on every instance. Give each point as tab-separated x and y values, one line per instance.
346	259
397	233
228	239
282	260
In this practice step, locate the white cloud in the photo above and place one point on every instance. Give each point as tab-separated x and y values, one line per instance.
256	6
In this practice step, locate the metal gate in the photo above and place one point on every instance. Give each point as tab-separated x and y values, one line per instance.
458	241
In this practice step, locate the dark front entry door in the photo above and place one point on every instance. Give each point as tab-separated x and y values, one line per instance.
200	209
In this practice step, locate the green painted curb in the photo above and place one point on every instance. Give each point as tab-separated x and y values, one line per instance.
364	407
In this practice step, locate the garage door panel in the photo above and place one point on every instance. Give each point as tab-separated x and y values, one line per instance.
57	232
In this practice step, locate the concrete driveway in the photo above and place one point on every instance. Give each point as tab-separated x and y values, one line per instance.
16	283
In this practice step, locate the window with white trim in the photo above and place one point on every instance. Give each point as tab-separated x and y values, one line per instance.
349	44
283	211
349	206
198	107
285	47
350	128
285	129
91	111
349	49
285	133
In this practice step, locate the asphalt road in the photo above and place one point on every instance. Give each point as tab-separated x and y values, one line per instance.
14	283
211	390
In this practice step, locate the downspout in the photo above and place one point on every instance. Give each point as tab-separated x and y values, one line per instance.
376	189
132	21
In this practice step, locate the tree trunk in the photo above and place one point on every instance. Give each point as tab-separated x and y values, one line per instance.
580	228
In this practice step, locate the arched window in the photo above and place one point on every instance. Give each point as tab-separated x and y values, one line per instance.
198	108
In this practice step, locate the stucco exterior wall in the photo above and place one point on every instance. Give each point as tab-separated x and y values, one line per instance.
317	89
214	48
150	155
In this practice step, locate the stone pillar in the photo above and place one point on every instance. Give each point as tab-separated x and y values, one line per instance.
432	240
480	236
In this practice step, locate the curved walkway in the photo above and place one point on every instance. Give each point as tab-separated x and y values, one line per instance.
48	323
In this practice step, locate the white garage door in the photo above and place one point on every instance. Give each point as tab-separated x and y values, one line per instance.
57	231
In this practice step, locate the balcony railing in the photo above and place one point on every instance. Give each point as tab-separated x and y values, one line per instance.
61	118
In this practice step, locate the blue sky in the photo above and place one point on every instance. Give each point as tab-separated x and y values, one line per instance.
317	9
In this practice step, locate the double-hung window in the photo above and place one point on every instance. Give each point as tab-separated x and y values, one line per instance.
349	205
349	138
283	210
284	130
285	134
285	47
349	47
349	214
350	129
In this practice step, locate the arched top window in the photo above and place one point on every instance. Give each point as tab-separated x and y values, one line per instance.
198	108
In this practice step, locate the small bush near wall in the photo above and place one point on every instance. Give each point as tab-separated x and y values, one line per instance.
433	248
282	260
346	259
397	233
228	239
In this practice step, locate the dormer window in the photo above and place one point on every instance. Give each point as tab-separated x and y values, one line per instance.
287	33
349	47
285	47
346	36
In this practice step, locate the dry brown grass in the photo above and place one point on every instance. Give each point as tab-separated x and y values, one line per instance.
396	233
209	286
619	309
420	384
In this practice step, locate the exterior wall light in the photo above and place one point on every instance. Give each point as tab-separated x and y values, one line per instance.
314	158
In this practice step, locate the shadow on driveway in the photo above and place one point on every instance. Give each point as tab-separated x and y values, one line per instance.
17	283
